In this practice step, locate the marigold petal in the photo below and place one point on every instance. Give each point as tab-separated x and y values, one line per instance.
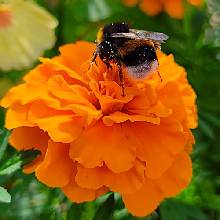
62	128
174	8
62	90
24	138
171	97
158	141
39	109
56	168
78	194
75	55
144	201
90	178
100	144
16	116
89	114
169	70
13	95
59	66
119	117
150	7
177	177
127	182
110	101
160	110
124	182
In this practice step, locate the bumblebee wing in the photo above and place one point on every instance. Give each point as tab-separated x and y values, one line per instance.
155	36
143	35
125	35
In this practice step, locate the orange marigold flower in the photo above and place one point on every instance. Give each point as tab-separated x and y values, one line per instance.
94	140
175	8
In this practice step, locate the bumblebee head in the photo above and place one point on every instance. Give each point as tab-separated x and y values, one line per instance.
105	32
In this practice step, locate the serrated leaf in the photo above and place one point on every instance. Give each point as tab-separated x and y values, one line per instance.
11	169
4	195
106	209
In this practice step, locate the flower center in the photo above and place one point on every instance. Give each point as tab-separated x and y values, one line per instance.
5	16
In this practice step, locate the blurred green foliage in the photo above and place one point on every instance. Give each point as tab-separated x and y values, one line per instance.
195	50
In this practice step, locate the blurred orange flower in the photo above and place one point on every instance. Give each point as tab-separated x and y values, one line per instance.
94	140
175	8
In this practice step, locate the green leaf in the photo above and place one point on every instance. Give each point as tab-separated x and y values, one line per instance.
88	211
4	195
215	120
11	169
106	209
27	156
175	210
17	161
206	128
4	134
98	10
75	211
11	164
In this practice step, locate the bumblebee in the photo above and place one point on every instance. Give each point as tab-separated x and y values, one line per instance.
132	49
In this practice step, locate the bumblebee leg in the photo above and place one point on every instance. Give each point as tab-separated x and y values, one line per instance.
93	60
107	64
159	76
121	77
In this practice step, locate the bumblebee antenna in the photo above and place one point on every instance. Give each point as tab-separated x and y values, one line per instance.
93	60
121	78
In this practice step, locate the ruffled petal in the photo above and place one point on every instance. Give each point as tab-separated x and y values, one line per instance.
62	128
13	95
16	116
78	194
114	148
25	138
63	91
109	95
177	177
127	182
124	182
76	55
144	201
56	168
119	117
62	68
162	142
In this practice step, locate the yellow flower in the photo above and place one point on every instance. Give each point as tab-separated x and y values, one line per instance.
26	30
